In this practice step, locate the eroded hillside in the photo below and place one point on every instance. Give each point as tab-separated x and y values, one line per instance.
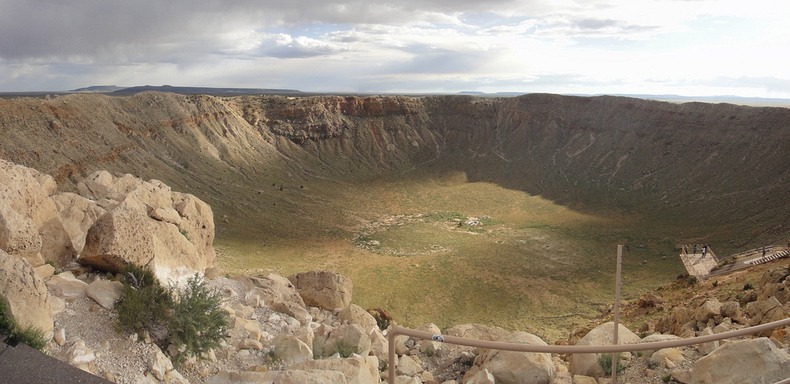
720	170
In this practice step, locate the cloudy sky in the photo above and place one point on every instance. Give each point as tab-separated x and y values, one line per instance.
683	47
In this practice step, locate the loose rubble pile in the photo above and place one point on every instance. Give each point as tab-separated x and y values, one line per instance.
60	254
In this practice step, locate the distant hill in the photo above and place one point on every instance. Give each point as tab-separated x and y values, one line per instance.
97	89
204	90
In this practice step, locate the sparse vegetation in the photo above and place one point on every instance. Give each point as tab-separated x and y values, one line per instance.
652	364
198	324
31	336
191	319
605	362
144	302
344	349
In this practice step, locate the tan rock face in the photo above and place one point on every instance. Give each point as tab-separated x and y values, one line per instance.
347	339
355	314
766	363
357	370
105	292
280	377
324	289
478	331
29	220
19	236
24	294
77	214
290	350
273	288
170	232
66	286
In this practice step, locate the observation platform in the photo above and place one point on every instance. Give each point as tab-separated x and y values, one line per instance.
700	261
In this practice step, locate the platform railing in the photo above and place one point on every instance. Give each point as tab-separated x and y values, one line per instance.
565	349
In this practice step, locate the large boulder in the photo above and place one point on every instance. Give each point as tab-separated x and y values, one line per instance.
655	338
347	339
711	308
66	286
280	377
765	311
272	288
143	228
26	209
24	294
355	314
323	289
105	292
478	331
749	361
77	214
19	236
357	370
586	364
515	367
291	350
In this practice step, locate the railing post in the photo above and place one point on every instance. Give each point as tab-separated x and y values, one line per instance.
391	355
616	356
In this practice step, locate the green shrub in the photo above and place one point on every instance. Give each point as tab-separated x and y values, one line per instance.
198	323
6	322
652	364
144	301
605	361
30	335
191	319
345	349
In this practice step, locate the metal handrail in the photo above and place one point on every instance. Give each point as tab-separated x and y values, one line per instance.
518	347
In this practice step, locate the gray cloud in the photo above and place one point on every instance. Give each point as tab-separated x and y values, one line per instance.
358	45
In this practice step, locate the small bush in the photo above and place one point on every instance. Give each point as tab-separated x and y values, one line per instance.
345	349
652	364
144	302
605	362
6	322
748	286
666	378
31	336
198	323
191	319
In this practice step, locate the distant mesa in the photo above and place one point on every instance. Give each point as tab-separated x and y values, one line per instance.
116	90
97	89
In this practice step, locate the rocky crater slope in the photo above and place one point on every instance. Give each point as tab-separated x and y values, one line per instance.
305	328
703	165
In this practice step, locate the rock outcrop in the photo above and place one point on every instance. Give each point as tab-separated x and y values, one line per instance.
24	294
586	364
77	214
749	361
324	289
515	367
147	224
30	225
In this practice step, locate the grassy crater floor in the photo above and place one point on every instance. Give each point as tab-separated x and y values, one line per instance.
446	251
